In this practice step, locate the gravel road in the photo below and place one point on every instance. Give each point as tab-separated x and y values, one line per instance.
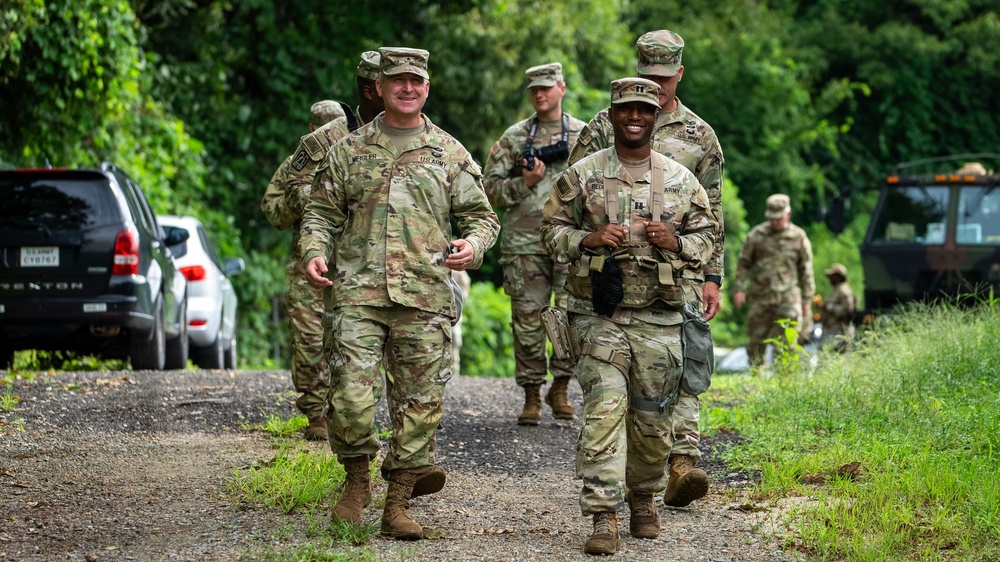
132	466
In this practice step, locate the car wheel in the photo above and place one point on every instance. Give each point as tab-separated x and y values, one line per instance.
177	348
211	357
7	356
148	350
231	358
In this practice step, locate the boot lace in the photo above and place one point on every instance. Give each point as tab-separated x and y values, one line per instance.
602	524
640	507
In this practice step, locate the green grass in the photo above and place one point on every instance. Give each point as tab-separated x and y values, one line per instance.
917	405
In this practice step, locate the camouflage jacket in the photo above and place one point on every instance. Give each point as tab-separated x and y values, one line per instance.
576	207
684	137
382	219
776	267
290	186
839	308
522	205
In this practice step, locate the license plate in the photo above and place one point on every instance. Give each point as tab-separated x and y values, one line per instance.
40	256
95	307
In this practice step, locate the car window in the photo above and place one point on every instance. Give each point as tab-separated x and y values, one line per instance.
54	202
209	248
913	214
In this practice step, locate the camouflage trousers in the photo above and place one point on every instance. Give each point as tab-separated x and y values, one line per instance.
305	322
686	417
530	281
625	439
762	324
415	348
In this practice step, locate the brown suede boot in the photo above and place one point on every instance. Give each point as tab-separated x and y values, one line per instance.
532	412
430	479
396	520
558	400
357	492
316	430
643	521
686	483
605	538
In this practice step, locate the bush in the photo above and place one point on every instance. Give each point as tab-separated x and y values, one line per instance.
487	340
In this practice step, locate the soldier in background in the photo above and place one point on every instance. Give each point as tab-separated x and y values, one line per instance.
774	275
641	220
381	217
518	178
839	308
283	203
687	139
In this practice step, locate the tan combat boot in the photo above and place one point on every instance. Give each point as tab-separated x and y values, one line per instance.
686	483
532	412
316	430
605	538
430	479
357	492
558	400
396	520
643	521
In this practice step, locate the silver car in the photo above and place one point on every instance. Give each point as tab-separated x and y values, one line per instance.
212	301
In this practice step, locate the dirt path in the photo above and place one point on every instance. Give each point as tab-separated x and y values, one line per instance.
133	465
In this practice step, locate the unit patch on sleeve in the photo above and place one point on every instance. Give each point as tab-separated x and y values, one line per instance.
300	160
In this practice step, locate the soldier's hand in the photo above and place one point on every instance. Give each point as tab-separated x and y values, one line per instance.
315	273
610	235
662	235
711	300
532	177
739	297
462	257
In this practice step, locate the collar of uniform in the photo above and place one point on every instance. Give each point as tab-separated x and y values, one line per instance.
674	116
376	136
614	168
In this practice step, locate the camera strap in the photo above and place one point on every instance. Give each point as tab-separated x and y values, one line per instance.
530	141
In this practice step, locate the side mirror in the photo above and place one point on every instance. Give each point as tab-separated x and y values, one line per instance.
233	266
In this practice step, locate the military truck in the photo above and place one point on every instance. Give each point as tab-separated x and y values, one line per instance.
935	233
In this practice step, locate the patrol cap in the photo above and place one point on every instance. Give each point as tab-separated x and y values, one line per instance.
544	75
659	53
777	205
322	112
400	60
368	67
625	90
837	269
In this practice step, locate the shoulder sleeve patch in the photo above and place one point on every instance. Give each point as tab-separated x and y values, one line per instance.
567	186
496	150
315	145
300	160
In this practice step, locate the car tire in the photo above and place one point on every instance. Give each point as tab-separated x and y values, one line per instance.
177	348
231	357
148	350
211	357
7	357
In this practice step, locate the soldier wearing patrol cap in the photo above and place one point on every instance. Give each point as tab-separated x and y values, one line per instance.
774	274
634	220
520	187
838	310
381	216
282	204
686	138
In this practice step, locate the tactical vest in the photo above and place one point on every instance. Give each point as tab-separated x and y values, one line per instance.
646	275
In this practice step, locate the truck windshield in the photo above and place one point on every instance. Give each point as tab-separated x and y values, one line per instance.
912	215
978	216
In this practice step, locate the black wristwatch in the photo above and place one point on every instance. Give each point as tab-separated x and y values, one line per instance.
717	279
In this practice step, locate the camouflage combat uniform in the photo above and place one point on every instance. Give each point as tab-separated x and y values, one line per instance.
630	363
382	219
690	141
839	308
283	203
776	272
530	276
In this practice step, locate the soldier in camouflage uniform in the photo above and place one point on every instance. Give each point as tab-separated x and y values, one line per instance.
657	227
381	218
530	276
283	203
775	275
839	308
686	138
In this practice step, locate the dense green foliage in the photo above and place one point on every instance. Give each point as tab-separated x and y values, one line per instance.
922	420
200	100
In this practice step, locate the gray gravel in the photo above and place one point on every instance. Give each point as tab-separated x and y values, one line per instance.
132	466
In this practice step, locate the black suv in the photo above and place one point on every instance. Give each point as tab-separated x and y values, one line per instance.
85	267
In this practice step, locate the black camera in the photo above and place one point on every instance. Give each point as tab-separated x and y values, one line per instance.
557	152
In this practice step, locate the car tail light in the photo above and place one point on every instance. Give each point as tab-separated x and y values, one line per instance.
126	261
193	272
198	323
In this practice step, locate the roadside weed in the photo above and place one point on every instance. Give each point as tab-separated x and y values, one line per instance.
7	399
894	450
297	477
